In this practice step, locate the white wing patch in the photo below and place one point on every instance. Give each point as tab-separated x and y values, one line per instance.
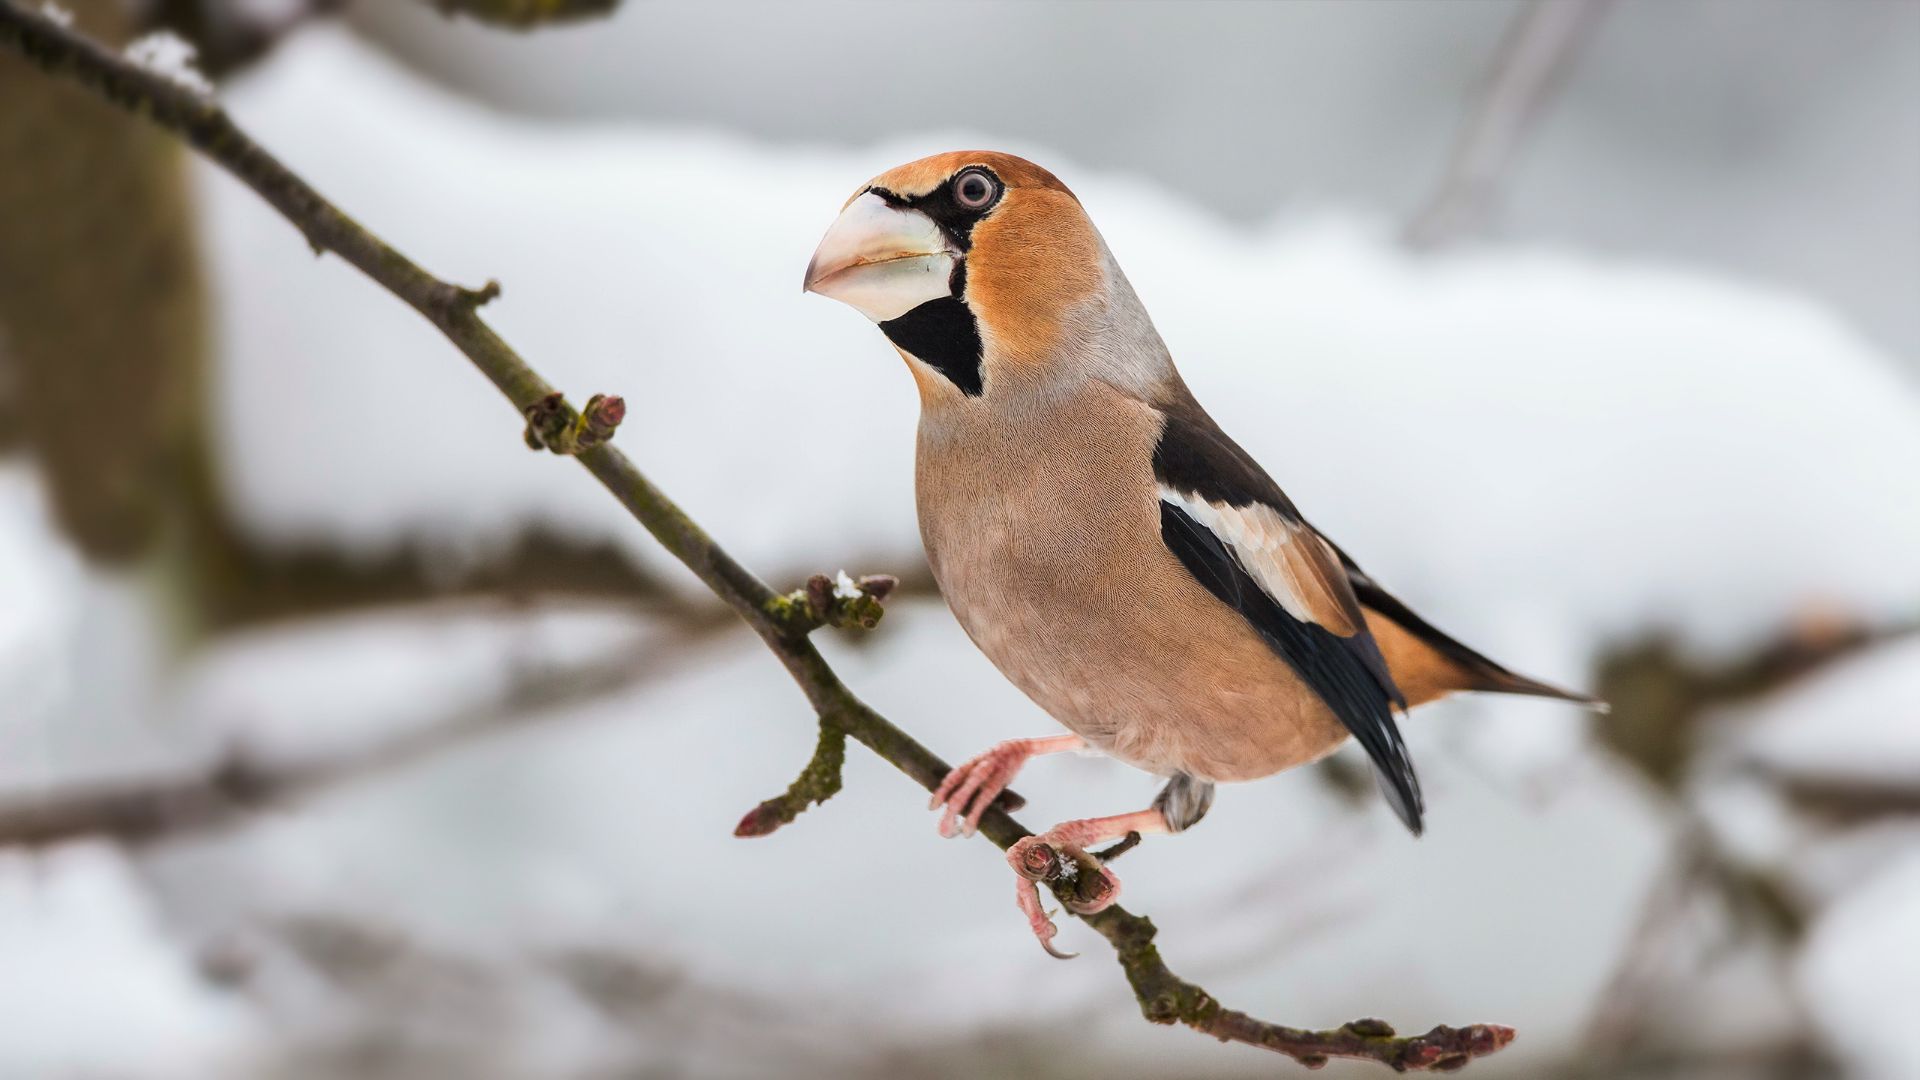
1290	561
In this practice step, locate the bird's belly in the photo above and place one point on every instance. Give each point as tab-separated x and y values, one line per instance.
1096	622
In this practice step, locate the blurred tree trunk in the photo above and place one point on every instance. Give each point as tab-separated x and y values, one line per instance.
104	347
101	323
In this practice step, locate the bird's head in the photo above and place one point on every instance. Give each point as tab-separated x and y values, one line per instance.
978	266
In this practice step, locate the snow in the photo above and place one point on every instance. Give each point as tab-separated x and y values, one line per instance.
86	954
1854	724
603	827
263	692
171	56
40	578
1857	720
1541	450
78	652
1859	976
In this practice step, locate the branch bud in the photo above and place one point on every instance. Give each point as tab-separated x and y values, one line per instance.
600	419
762	820
838	601
553	425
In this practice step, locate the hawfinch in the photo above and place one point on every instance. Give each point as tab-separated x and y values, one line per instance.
1109	548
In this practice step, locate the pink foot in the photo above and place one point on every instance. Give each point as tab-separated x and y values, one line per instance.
970	789
1061	852
1049	857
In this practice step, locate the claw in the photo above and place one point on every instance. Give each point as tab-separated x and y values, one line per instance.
1039	920
1056	953
1059	858
1047	942
954	776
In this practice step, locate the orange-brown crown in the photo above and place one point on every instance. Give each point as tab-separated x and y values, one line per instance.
1031	261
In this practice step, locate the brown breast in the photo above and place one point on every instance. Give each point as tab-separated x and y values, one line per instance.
1041	520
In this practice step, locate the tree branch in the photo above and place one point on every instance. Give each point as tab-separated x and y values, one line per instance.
1164	998
1539	49
525	14
226	790
817	783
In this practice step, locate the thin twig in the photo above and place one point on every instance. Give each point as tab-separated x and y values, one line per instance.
1164	998
526	14
817	783
1539	49
226	790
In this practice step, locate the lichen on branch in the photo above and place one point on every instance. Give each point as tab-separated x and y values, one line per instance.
840	602
817	783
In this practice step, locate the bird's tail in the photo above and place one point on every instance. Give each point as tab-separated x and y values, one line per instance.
1461	667
1494	679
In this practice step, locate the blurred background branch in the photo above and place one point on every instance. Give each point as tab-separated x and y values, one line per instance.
224	791
525	14
1535	58
228	35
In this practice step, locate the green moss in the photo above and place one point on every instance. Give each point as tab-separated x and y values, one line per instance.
789	609
817	783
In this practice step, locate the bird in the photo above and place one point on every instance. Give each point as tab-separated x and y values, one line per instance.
1100	539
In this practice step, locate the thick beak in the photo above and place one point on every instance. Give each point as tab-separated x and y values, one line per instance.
882	260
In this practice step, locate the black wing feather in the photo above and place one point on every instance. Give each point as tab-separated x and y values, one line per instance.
1349	674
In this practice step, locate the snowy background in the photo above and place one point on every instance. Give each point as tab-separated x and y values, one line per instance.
1648	425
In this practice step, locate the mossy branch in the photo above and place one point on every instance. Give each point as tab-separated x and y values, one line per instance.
229	789
783	623
553	425
817	783
839	602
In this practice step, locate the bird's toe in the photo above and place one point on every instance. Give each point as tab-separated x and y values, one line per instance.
1038	919
970	789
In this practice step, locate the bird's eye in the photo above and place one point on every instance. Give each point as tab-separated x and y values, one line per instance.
975	189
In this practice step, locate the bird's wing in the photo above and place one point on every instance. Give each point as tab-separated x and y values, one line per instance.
1240	536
